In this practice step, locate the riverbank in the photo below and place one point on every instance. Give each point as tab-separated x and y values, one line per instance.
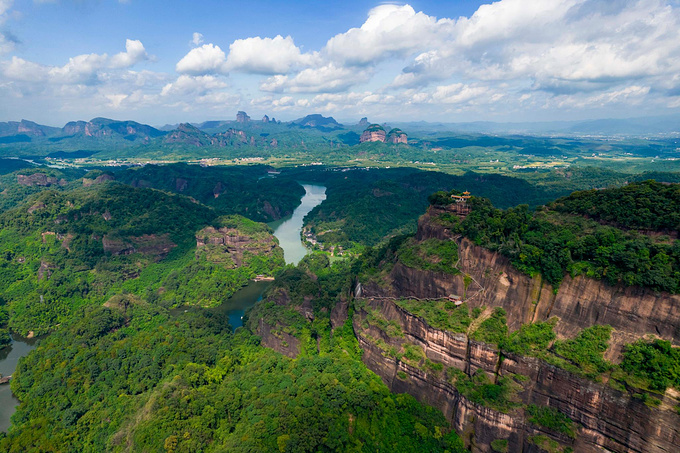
288	230
9	359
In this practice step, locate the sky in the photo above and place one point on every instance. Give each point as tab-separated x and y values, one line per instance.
164	62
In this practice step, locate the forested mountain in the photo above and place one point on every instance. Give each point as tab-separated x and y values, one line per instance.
554	241
63	250
520	350
480	321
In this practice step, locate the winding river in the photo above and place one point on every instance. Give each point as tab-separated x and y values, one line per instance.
287	230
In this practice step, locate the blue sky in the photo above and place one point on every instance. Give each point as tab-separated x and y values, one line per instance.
510	60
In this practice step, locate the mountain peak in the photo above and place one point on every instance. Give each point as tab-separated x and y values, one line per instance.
318	121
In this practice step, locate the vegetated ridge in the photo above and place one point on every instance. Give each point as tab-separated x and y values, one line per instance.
515	357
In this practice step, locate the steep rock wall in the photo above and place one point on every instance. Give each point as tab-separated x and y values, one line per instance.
579	302
608	418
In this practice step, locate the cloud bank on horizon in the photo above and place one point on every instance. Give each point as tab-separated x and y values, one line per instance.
511	59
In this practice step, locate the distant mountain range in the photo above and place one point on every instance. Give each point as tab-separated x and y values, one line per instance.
112	139
130	138
132	130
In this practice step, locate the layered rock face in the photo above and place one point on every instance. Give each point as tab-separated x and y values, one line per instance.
29	128
87	182
374	133
155	246
25	127
579	302
397	136
607	419
228	246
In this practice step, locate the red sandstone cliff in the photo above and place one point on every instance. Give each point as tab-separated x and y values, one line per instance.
607	418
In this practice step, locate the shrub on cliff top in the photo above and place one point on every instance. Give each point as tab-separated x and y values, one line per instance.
587	350
552	419
493	330
441	314
656	363
432	254
531	338
479	389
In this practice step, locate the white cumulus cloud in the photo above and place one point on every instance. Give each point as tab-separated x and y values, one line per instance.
276	55
329	78
389	30
207	59
134	53
197	85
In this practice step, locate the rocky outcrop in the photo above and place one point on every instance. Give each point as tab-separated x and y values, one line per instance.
26	128
40	179
36	207
181	184
376	133
155	246
373	133
242	117
607	418
104	127
319	122
45	270
231	136
227	246
87	182
278	340
265	119
579	302
339	313
396	136
189	135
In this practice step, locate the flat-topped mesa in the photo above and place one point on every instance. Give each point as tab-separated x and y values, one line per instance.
373	133
104	127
